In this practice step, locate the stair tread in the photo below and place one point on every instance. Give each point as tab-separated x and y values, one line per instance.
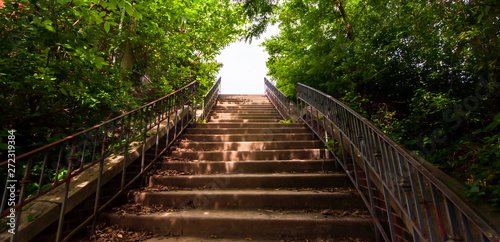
253	175
259	192
249	151
251	161
243	214
247	134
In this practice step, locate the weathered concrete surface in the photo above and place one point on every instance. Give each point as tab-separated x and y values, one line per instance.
246	175
249	224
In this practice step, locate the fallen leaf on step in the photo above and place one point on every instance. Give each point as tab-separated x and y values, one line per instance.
328	212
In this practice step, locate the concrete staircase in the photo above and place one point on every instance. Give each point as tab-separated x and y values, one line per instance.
243	175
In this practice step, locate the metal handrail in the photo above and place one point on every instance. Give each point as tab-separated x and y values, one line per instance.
409	186
90	147
210	98
278	99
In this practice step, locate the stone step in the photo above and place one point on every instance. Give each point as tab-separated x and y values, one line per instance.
256	145
244	120
238	119
249	105
247	137
246	130
251	199
242	96
248	125
243	101
239	111
245	108
254	181
243	116
289	154
254	225
249	167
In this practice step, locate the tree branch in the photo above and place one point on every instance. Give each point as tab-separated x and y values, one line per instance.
344	16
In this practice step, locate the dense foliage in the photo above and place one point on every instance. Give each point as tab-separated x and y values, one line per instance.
426	72
69	64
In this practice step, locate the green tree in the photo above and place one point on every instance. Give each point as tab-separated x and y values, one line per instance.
412	67
66	65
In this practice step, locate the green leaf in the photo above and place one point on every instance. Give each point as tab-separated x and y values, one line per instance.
494	124
48	25
137	15
121	4
130	10
107	27
100	62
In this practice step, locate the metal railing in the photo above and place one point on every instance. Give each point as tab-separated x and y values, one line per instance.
278	98
210	99
58	163
393	178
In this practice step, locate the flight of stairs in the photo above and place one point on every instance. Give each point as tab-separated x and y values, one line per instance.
243	175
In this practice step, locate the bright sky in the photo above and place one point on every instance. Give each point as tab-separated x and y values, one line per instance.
245	65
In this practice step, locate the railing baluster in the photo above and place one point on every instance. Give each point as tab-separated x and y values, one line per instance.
82	158
24	186
416	201
389	214
426	202
439	215
72	159
40	181
127	131
452	219
59	162
466	227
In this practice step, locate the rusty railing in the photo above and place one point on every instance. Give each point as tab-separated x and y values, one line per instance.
210	99
278	98
390	177
57	164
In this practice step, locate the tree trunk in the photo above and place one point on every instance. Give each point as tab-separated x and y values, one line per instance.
344	16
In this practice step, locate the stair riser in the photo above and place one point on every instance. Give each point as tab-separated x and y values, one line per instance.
313	154
244	116
246	131
242	120
273	145
241	97
294	200
245	108
271	181
250	167
247	125
240	102
257	137
243	112
240	228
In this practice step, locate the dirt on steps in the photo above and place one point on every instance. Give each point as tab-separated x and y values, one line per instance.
239	177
